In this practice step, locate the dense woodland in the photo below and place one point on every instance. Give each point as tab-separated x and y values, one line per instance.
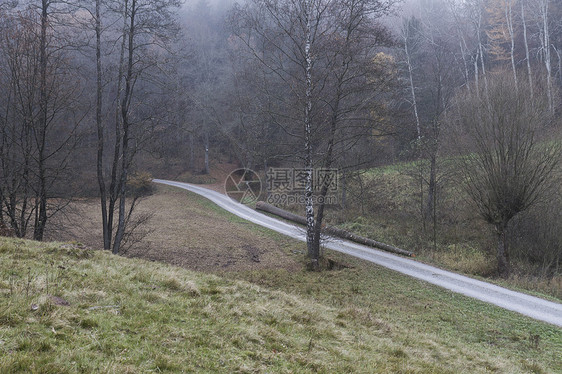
463	94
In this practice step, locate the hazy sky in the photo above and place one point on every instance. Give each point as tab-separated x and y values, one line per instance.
213	3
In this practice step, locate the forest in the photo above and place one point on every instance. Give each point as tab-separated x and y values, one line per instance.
442	117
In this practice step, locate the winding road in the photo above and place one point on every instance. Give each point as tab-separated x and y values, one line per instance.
534	307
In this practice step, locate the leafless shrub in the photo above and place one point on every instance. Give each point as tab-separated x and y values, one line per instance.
507	164
136	230
537	235
6	231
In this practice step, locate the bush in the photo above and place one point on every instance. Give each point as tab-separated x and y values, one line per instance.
139	185
537	237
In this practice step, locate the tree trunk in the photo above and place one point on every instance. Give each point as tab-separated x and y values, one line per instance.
41	206
327	165
207	167
559	65
431	187
343	189
2	223
411	79
313	251
465	64
484	77
191	152
100	132
480	49
125	122
502	252
509	20
332	230
114	186
462	43
476	75
526	42
421	182
546	47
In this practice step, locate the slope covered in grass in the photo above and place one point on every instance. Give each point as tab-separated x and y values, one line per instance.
385	204
66	309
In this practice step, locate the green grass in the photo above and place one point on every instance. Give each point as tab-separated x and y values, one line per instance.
132	316
458	328
385	206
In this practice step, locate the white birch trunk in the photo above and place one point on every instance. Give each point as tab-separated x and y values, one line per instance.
480	48
559	64
546	46
481	53
526	42
476	75
462	43
465	64
309	207
509	21
406	34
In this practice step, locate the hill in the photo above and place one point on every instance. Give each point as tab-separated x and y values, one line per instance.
64	309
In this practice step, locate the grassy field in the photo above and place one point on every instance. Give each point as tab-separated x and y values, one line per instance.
385	206
67	309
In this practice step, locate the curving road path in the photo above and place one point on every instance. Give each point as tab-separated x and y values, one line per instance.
530	306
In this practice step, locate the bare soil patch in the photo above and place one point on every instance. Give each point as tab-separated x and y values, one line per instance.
188	231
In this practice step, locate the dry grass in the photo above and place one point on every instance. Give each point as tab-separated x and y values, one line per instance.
387	209
65	309
267	316
188	231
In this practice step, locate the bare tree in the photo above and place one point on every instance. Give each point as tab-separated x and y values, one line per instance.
544	11
324	54
146	28
412	43
526	44
433	74
39	123
507	164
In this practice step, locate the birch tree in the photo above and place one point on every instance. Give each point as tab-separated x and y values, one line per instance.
323	52
437	77
526	44
411	37
544	8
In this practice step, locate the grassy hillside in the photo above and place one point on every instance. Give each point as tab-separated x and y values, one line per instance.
384	204
68	309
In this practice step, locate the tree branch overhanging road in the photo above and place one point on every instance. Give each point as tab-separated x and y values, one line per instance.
534	307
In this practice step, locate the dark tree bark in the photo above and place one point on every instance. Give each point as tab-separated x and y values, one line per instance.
100	130
502	253
139	19
41	212
125	101
37	125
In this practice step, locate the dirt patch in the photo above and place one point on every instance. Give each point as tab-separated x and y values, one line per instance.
185	230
